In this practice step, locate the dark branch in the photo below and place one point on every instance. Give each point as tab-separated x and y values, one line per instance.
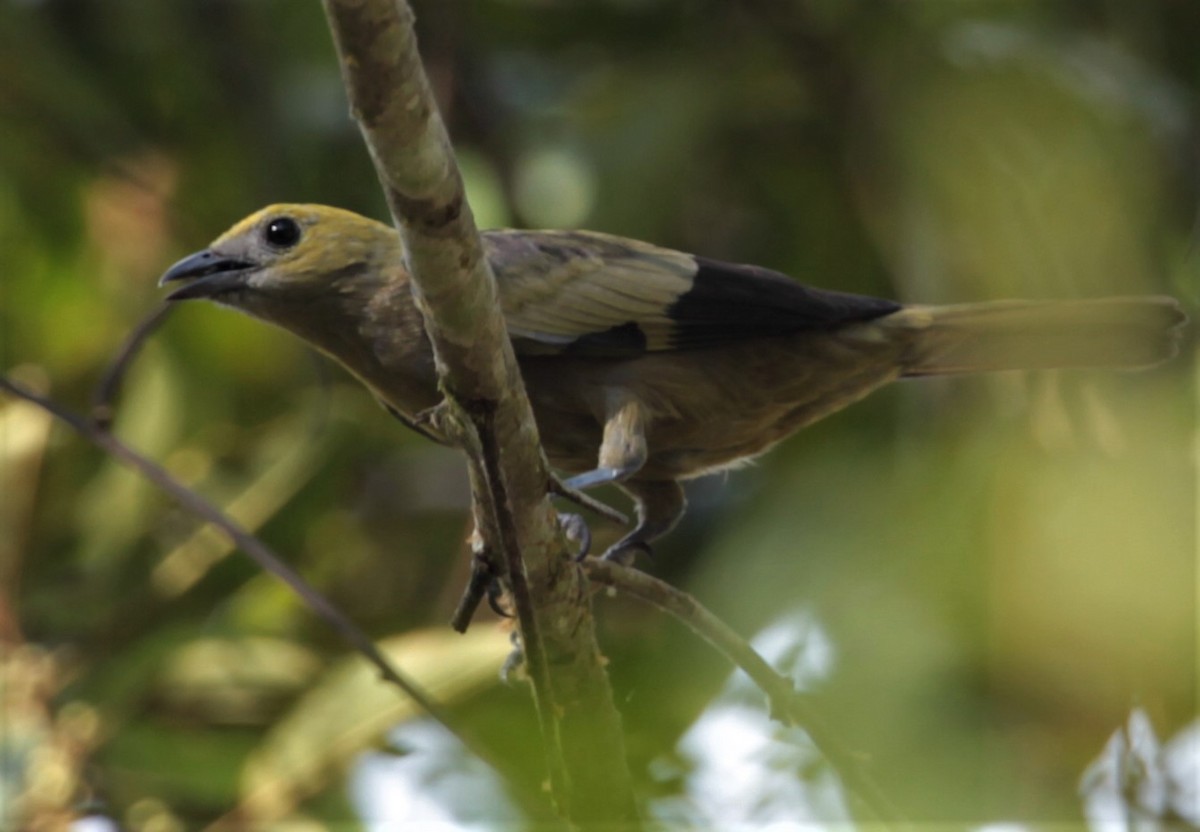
483	577
105	394
560	489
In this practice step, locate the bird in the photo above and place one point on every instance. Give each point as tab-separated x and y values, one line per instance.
645	367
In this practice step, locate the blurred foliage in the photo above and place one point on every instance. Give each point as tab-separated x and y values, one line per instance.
1002	568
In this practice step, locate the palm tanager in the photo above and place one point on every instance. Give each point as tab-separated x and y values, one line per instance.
645	366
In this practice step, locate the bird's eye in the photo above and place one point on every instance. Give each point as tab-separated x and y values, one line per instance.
282	232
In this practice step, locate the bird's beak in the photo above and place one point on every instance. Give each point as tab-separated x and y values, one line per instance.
211	274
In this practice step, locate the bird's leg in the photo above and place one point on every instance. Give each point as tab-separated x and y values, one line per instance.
623	450
660	504
622	454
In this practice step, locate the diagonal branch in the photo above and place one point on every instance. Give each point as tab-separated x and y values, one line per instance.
485	400
787	704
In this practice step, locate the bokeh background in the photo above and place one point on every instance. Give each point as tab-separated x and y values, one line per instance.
988	585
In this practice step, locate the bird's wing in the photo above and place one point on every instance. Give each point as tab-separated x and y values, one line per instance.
595	295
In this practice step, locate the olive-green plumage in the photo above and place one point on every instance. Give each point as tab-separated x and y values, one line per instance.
644	365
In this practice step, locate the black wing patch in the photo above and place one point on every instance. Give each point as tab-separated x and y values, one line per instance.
625	340
729	302
593	295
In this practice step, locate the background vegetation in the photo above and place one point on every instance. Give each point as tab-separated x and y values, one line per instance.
977	579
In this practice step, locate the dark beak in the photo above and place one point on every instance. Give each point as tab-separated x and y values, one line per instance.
211	274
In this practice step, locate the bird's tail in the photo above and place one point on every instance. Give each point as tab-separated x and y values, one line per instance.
1125	332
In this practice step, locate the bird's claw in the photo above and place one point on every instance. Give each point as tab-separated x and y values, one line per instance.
576	530
494	593
625	552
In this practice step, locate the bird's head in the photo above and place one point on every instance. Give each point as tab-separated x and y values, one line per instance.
287	254
333	278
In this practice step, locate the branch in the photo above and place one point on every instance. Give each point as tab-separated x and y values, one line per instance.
456	293
787	704
114	376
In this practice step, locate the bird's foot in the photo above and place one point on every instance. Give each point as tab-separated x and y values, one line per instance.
495	597
576	530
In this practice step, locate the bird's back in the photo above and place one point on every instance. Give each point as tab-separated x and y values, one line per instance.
597	296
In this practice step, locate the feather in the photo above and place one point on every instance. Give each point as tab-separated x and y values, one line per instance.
593	295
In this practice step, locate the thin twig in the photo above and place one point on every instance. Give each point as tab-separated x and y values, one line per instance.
106	391
786	703
497	504
560	489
